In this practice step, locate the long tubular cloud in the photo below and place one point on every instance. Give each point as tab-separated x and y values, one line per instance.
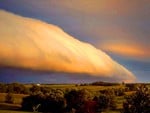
32	44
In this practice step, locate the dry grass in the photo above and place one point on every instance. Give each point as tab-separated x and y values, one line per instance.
17	98
13	111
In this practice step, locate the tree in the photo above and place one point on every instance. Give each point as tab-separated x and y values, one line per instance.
76	99
89	106
105	100
3	88
9	98
131	86
138	102
35	89
119	92
30	102
16	88
53	102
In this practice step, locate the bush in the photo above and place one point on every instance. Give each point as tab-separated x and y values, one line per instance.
35	89
9	98
50	102
53	104
138	102
16	88
119	92
131	87
3	88
29	102
54	101
105	100
76	98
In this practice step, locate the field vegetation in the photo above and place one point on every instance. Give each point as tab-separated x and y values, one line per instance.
98	97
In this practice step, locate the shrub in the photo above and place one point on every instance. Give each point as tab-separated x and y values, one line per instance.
16	88
9	98
29	102
138	102
131	87
119	92
35	89
50	102
3	88
105	100
53	104
76	99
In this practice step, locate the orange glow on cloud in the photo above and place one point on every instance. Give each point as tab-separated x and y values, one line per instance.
111	7
127	50
32	44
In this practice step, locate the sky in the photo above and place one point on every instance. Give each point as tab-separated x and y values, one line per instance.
118	27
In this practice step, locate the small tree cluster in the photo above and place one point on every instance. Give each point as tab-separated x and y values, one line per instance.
131	87
76	99
71	101
106	100
13	88
119	92
9	98
49	102
139	102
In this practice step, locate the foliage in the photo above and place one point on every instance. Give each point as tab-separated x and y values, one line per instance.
105	100
13	88
100	83
3	88
131	87
9	98
138	102
75	98
35	89
54	104
50	102
30	101
119	92
62	98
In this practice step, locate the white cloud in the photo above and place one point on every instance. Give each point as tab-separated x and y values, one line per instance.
32	44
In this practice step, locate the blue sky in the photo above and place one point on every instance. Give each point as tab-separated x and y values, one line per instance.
108	25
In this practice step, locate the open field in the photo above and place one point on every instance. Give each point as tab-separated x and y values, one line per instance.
15	107
9	108
12	111
17	97
76	86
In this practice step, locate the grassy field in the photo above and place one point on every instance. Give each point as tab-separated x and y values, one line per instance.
17	98
12	111
74	86
13	108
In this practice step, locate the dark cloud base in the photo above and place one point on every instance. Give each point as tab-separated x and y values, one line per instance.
9	75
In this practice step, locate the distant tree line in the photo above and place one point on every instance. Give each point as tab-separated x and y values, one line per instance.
15	88
19	88
100	83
